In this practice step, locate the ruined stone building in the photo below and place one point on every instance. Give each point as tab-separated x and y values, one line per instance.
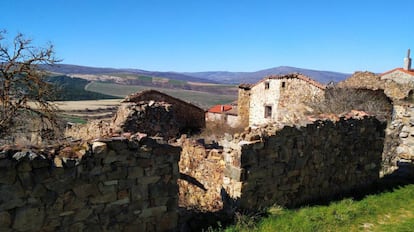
398	85
404	78
277	98
153	112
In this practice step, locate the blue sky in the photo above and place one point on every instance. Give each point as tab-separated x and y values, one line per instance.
212	35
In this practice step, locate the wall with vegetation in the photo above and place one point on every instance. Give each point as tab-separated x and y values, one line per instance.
117	185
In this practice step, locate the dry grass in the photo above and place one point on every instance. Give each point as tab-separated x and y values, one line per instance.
89	104
343	100
217	129
81	111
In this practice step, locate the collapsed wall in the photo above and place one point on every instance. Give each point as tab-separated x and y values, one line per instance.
398	157
152	118
118	185
201	181
286	166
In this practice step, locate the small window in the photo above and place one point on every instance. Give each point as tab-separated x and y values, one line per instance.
283	84
267	84
268	112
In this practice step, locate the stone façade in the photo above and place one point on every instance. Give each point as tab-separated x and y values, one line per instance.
279	98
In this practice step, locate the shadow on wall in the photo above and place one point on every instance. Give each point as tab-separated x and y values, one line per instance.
341	168
191	220
405	170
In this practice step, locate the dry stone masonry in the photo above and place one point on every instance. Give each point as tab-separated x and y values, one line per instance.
153	118
277	99
150	112
399	147
117	185
286	166
398	85
137	183
202	172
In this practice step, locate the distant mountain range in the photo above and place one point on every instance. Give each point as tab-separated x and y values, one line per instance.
253	77
222	77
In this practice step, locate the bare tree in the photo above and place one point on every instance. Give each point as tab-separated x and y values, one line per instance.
23	84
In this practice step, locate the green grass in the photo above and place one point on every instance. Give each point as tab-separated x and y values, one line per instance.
73	119
131	76
201	99
390	211
73	89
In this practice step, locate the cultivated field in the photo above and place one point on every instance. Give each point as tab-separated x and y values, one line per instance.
205	96
89	104
81	111
200	98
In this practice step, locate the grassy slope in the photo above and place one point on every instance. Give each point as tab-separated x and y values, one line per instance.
72	89
390	211
202	99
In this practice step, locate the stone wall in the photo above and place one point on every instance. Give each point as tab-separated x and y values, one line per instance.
398	156
149	117
398	85
293	98
243	105
202	172
188	114
287	166
118	185
399	76
152	118
296	165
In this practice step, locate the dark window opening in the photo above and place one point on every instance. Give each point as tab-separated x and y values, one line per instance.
283	84
268	112
267	85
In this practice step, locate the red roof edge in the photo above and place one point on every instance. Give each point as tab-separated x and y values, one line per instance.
220	108
410	72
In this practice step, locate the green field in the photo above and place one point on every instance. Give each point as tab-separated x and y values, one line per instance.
71	89
389	211
201	99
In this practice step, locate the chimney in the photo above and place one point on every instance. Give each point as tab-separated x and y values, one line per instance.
407	61
222	108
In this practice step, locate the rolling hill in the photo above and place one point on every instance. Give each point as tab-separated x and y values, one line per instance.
71	89
252	77
221	77
69	69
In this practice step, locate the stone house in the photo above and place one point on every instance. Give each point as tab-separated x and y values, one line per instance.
401	75
277	98
404	78
223	114
162	112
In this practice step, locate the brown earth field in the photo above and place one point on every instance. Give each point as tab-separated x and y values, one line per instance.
81	111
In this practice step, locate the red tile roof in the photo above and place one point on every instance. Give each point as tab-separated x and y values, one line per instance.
220	108
409	72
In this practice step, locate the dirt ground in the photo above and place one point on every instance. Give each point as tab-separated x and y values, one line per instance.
91	109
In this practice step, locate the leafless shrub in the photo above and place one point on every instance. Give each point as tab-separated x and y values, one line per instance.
24	90
343	100
217	129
